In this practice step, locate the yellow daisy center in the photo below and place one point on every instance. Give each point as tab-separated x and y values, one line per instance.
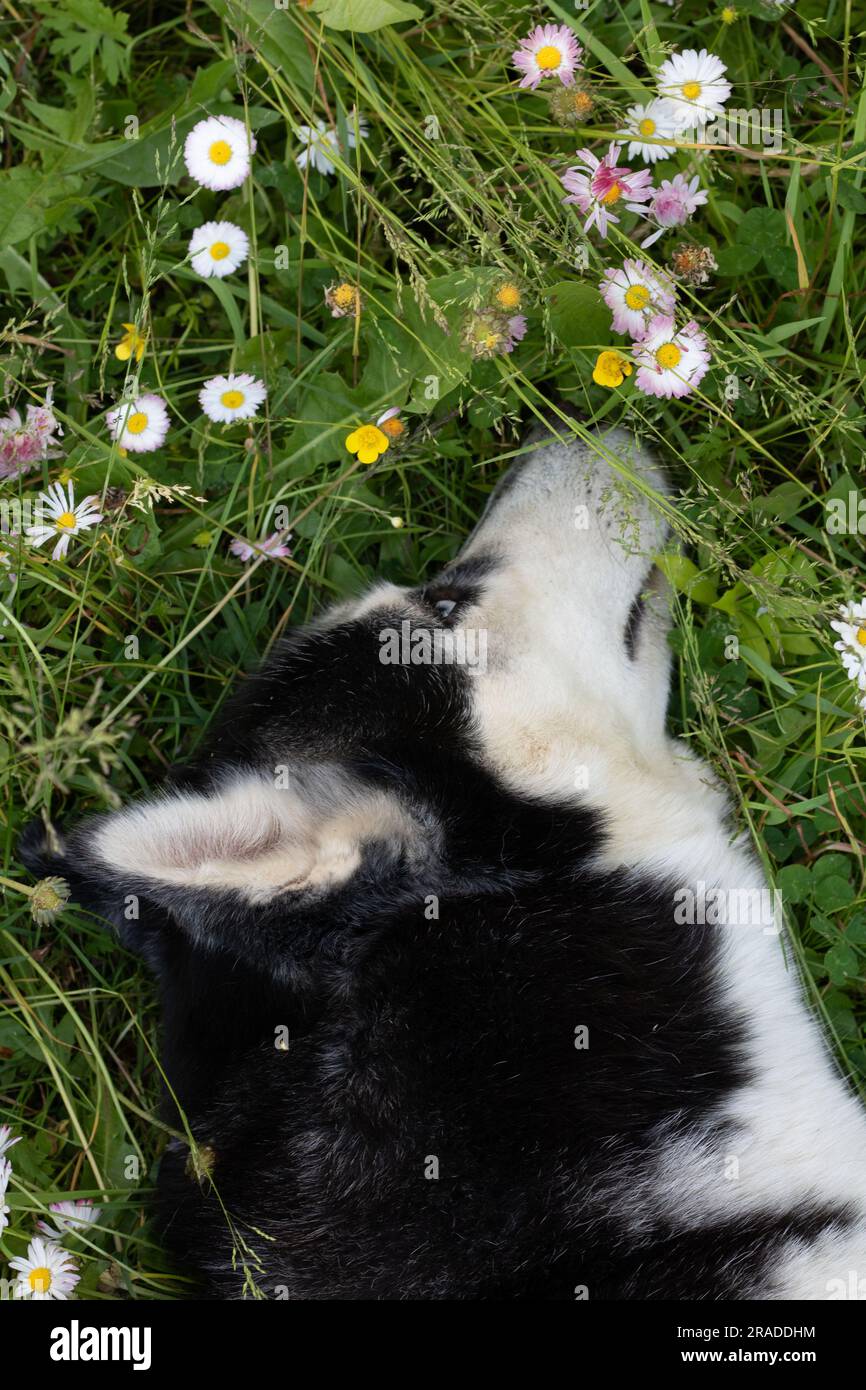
219	250
137	422
548	57
668	356
861	636
39	1279
344	296
65	521
220	152
691	90
508	297
647	127
637	297
612	195
232	399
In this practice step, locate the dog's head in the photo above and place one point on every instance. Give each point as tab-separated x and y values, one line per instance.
392	740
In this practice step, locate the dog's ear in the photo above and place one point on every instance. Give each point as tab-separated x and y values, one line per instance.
256	836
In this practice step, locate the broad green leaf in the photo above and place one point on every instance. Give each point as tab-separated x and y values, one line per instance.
842	964
686	578
579	316
833	893
794	883
363	16
833	866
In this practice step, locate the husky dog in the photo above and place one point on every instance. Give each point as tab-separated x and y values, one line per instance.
432	1013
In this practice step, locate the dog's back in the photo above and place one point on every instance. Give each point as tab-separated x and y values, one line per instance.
457	1000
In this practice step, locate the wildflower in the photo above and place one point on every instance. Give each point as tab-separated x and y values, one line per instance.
671	361
694	86
397	522
218	248
634	293
24	443
218	152
729	15
343	300
67	520
611	369
368	442
648	128
5	1175
322	142
6	1140
48	899
47	1271
70	1218
851	627
139	426
132	344
274	547
485	333
507	297
391	424
693	264
570	106
673	203
597	186
233	397
550	50
516	332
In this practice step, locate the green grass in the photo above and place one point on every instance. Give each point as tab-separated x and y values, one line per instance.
93	233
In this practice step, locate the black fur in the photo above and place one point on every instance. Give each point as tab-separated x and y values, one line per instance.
420	1043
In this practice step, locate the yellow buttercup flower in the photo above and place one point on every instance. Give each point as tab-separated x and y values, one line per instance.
611	368
368	442
729	15
131	344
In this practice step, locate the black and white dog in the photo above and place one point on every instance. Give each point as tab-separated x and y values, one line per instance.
433	1017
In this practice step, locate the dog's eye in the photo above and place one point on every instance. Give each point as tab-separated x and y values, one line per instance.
444	602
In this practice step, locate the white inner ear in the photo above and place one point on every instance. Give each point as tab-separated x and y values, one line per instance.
254	836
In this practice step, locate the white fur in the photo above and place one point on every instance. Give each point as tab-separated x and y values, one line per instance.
563	714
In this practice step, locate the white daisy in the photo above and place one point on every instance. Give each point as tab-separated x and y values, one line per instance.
232	397
70	1218
549	50
46	1272
66	519
647	127
694	86
322	141
218	248
635	293
5	1175
6	1140
218	152
671	361
140	425
851	627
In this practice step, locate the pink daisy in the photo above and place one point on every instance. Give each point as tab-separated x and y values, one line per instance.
598	185
673	203
272	546
635	293
670	361
516	331
551	50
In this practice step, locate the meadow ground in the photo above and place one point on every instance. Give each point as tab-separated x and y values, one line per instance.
413	251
